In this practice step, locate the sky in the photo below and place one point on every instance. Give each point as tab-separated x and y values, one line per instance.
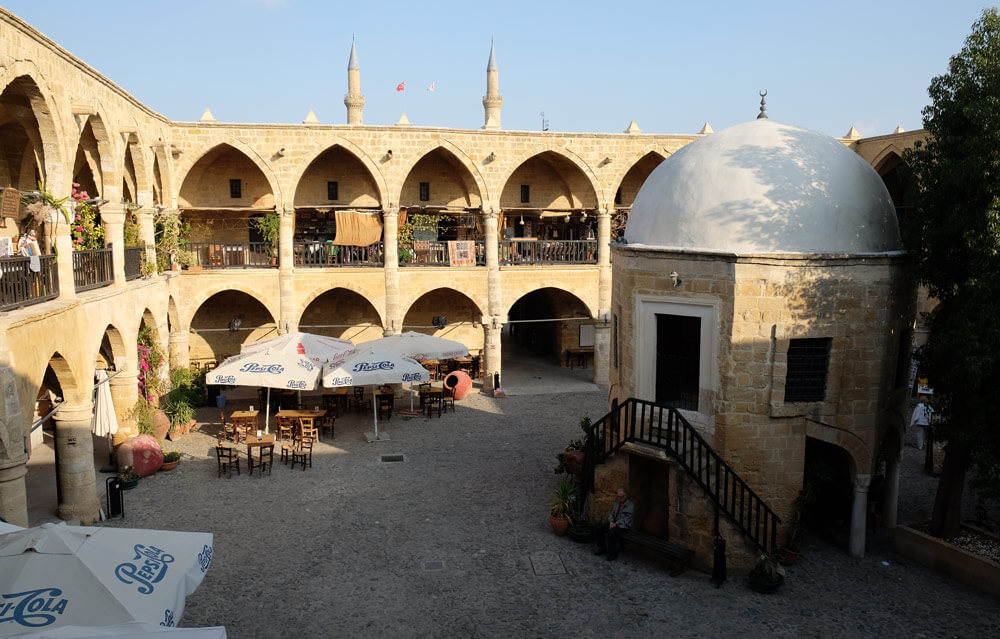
589	66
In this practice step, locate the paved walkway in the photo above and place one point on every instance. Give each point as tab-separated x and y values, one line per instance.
454	541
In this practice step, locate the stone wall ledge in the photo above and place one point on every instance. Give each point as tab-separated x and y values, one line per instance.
938	554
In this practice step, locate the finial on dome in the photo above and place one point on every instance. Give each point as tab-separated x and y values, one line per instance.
763	106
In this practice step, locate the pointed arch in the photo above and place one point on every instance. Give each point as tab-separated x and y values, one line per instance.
564	155
24	76
183	170
888	158
513	295
353	286
639	158
459	155
328	142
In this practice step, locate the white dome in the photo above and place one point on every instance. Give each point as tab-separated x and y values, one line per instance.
764	187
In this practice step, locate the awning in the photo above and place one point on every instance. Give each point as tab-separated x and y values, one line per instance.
358	229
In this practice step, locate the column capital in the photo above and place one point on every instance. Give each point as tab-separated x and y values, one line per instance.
862	483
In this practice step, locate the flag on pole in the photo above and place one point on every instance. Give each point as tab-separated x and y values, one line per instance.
431	87
400	87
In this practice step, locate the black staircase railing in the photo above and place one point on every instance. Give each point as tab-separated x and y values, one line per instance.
663	427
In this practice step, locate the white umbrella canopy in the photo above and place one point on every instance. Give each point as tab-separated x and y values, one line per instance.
372	367
419	346
319	348
104	422
135	629
57	575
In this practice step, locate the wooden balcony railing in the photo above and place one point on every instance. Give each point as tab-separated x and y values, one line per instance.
513	252
92	269
22	286
324	254
134	256
232	254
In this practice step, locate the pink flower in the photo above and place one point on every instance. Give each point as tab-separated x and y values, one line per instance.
76	184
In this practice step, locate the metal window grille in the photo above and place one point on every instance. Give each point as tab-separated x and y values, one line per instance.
236	189
425	191
808	360
331	191
525	193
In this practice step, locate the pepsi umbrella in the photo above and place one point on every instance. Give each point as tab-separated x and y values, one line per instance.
372	367
57	575
419	346
319	348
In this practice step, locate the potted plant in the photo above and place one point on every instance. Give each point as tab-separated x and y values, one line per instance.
561	506
582	531
171	240
181	415
269	227
571	459
170	460
128	478
767	576
791	551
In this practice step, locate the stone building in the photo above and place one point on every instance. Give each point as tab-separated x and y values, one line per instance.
760	290
536	211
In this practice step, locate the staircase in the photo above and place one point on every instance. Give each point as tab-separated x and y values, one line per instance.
663	427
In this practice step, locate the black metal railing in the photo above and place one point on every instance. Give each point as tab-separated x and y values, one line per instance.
436	253
232	254
92	269
661	426
325	254
23	286
134	257
548	252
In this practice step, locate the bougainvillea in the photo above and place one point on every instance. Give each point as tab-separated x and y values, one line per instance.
87	230
151	360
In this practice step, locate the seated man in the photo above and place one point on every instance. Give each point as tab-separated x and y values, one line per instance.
619	519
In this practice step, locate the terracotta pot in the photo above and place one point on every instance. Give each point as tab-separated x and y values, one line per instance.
161	424
559	525
788	557
170	465
574	461
459	382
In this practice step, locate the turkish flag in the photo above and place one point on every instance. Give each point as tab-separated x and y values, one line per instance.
400	87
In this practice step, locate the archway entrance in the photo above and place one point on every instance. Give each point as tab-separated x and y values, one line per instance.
343	314
224	322
547	344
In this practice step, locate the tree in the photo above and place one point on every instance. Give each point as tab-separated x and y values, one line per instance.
954	237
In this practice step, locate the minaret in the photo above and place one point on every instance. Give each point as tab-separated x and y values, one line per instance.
492	99
354	101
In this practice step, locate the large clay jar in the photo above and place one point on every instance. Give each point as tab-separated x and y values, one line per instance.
459	382
161	424
142	453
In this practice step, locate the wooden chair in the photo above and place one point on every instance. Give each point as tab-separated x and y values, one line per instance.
286	429
243	427
328	422
385	405
228	429
433	403
307	428
357	401
303	453
265	458
424	387
228	458
448	399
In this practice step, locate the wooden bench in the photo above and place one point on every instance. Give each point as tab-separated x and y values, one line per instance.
677	556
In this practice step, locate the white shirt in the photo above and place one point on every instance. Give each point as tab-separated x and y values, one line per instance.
922	415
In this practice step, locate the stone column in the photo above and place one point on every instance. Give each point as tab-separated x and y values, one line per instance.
859	513
179	350
890	495
64	247
113	221
390	236
75	453
492	351
124	391
13	496
602	329
287	317
147	231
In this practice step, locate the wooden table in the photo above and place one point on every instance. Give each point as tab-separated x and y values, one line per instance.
260	443
246	419
296	414
341	395
578	356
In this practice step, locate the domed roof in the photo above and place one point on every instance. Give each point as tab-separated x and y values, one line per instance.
764	187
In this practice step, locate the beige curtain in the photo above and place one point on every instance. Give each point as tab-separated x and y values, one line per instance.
358	229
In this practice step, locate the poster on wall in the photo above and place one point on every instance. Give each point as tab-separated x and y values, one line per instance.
586	335
10	203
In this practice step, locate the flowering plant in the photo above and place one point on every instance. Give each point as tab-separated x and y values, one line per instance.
151	359
87	230
172	456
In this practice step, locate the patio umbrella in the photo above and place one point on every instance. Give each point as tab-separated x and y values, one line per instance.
419	346
372	367
139	630
57	575
319	348
104	422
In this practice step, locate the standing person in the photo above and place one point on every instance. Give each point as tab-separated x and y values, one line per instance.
619	519
921	419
